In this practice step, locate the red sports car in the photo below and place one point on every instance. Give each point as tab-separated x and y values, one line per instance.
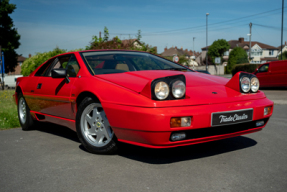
111	96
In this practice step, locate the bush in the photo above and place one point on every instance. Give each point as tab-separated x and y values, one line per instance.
30	64
237	56
250	68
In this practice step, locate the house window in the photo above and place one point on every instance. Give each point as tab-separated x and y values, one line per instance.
20	63
271	52
254	54
226	53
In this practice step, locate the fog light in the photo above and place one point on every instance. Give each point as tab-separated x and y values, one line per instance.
259	123
267	110
180	121
177	136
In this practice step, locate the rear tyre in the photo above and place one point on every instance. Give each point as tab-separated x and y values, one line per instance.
25	118
93	128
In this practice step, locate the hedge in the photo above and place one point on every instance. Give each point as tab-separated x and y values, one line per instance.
250	68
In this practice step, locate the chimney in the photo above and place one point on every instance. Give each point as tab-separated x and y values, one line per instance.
30	55
175	47
165	49
186	50
181	48
241	39
190	52
285	42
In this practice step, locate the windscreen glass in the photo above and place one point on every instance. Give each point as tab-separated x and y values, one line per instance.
120	62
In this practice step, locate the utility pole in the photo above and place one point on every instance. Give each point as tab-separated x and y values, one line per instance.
2	67
99	35
193	47
250	25
282	29
206	41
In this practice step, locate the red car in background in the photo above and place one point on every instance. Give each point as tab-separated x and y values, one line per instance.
272	74
111	96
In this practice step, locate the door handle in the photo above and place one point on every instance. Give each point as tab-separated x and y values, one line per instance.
39	86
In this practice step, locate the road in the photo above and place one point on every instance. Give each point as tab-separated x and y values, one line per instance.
52	159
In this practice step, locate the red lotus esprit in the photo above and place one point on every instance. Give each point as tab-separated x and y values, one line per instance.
111	96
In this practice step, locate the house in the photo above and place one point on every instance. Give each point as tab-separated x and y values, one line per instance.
20	61
133	42
179	52
190	55
260	52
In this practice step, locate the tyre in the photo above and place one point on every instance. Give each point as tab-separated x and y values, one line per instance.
25	118
93	128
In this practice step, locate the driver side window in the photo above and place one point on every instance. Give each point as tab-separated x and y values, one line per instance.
263	68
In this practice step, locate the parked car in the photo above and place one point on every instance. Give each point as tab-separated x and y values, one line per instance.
272	74
203	71
10	80
111	96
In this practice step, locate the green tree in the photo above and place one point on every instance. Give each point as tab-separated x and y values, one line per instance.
116	43
284	56
217	48
30	64
237	56
106	34
139	36
9	37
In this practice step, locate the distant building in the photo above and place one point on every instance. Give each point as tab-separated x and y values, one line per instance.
179	52
20	61
260	52
134	42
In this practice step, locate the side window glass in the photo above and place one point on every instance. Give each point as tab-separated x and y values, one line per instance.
59	63
72	67
44	68
263	68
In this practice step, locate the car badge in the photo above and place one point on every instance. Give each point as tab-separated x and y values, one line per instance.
214	92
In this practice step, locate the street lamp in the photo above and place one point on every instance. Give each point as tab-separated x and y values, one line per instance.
249	46
206	41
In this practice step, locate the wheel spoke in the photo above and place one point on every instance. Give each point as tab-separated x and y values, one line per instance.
91	131
100	137
89	120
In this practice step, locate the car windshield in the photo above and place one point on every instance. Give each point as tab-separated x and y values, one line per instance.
119	61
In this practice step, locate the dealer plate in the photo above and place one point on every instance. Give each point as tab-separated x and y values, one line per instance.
231	117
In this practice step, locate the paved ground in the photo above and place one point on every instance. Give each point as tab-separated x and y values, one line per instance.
278	95
52	159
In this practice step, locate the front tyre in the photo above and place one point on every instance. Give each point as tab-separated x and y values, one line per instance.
24	115
93	128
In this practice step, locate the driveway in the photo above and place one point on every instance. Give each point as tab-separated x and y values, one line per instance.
51	158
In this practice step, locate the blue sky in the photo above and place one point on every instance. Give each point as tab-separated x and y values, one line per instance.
70	24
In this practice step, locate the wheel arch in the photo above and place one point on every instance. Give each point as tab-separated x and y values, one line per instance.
85	94
18	90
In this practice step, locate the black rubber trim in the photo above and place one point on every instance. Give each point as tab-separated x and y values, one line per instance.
220	130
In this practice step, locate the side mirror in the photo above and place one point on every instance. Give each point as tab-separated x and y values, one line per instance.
60	73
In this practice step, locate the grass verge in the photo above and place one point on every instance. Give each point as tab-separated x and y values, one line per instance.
8	110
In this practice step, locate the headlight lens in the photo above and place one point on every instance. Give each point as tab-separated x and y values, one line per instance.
178	89
161	90
254	84
245	84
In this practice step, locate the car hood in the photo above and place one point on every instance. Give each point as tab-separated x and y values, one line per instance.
201	88
137	80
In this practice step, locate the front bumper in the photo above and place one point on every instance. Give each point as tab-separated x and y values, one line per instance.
150	127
